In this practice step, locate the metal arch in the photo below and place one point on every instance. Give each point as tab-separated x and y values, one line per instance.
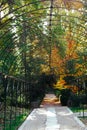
17	17
27	29
31	10
13	61
16	41
36	13
42	15
13	38
83	34
21	7
42	22
50	15
36	17
32	3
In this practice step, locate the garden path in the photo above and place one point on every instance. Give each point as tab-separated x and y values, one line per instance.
52	116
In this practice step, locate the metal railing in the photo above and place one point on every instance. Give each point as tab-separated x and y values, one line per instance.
14	100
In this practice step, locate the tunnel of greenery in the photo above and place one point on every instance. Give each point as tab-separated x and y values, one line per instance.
43	46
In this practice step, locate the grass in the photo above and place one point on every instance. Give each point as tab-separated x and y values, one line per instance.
17	118
81	111
76	109
16	123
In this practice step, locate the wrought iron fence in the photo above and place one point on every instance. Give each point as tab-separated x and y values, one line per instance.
14	100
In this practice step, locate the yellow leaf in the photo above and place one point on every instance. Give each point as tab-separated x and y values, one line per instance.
77	5
58	2
69	3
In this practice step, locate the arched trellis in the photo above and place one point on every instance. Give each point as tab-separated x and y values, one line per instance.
31	31
39	13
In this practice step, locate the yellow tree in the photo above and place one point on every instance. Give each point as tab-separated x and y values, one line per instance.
56	61
69	3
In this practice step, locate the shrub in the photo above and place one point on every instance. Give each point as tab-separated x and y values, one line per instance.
65	94
74	99
77	99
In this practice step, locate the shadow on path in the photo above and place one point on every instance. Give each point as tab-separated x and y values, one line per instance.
52	116
50	100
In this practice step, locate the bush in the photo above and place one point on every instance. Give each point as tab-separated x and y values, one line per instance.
75	100
68	98
65	94
57	92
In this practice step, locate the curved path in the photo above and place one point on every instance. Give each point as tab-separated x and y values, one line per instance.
52	116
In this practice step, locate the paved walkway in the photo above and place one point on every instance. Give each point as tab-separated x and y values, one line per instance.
52	116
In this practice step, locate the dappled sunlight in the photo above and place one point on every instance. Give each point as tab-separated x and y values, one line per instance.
53	127
51	122
32	118
50	99
64	114
41	112
50	114
52	117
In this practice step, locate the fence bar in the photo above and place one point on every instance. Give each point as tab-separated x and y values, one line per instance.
5	82
14	98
